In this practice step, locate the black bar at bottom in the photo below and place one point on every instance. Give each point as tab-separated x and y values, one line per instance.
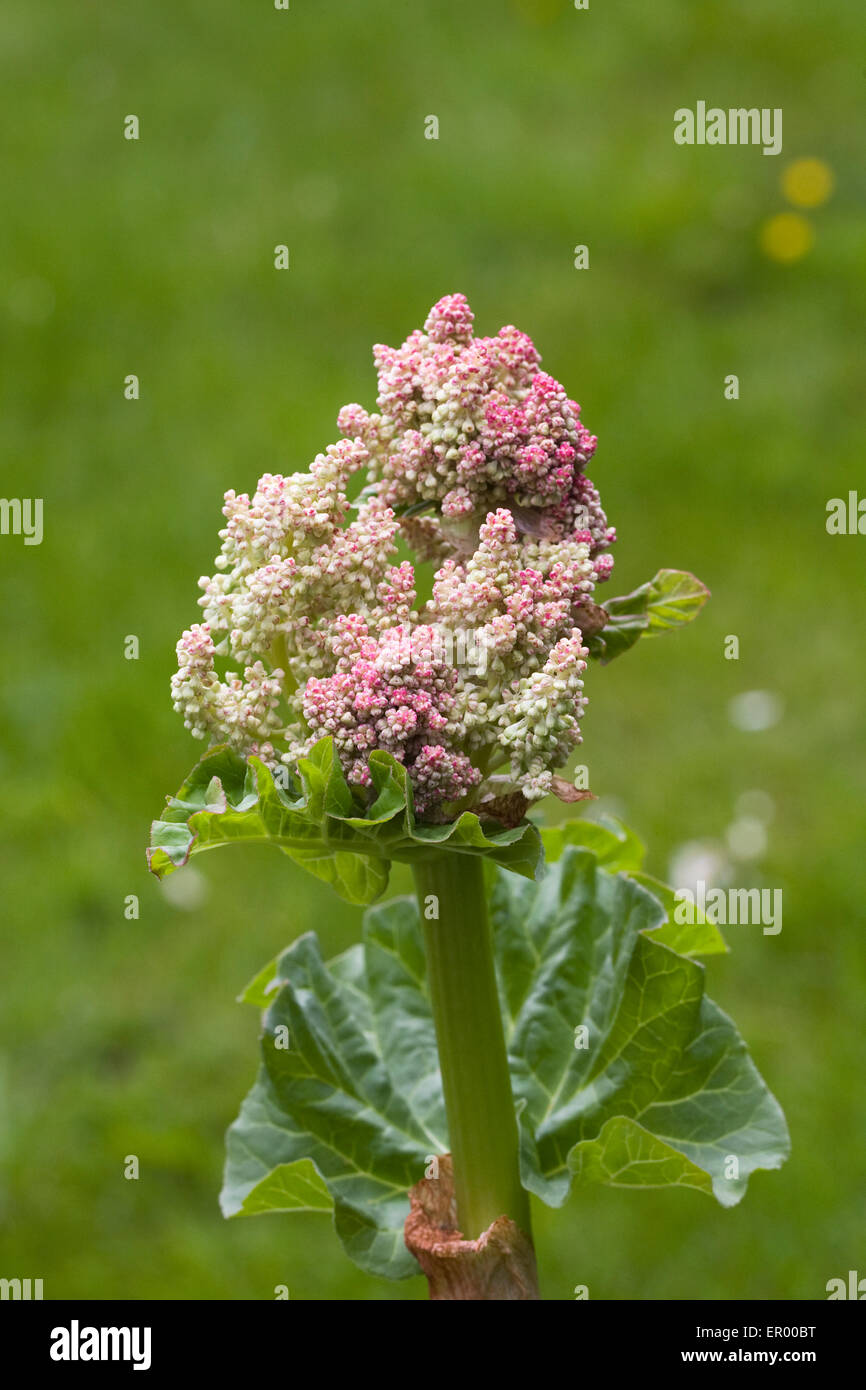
66	1338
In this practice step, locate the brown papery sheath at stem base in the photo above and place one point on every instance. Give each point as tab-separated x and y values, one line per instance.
498	1266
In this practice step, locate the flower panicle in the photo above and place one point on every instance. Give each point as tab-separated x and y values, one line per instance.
476	460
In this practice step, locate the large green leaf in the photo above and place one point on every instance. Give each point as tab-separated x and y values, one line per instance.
672	598
663	1089
616	847
664	1092
357	1090
320	824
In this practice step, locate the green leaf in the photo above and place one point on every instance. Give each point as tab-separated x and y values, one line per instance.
356	1092
671	599
288	1187
613	844
663	1094
697	938
617	848
321	824
661	1060
627	1155
262	987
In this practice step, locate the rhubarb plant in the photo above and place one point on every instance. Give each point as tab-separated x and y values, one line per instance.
534	1018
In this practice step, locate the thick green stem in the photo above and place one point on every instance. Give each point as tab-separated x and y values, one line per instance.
481	1121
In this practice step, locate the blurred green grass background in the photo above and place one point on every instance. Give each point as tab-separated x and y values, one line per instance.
305	127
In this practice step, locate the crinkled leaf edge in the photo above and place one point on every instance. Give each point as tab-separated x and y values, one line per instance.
321	824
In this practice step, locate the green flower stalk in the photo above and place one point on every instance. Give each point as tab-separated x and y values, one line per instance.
475	1075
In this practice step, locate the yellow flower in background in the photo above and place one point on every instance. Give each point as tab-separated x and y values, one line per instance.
807	183
786	237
